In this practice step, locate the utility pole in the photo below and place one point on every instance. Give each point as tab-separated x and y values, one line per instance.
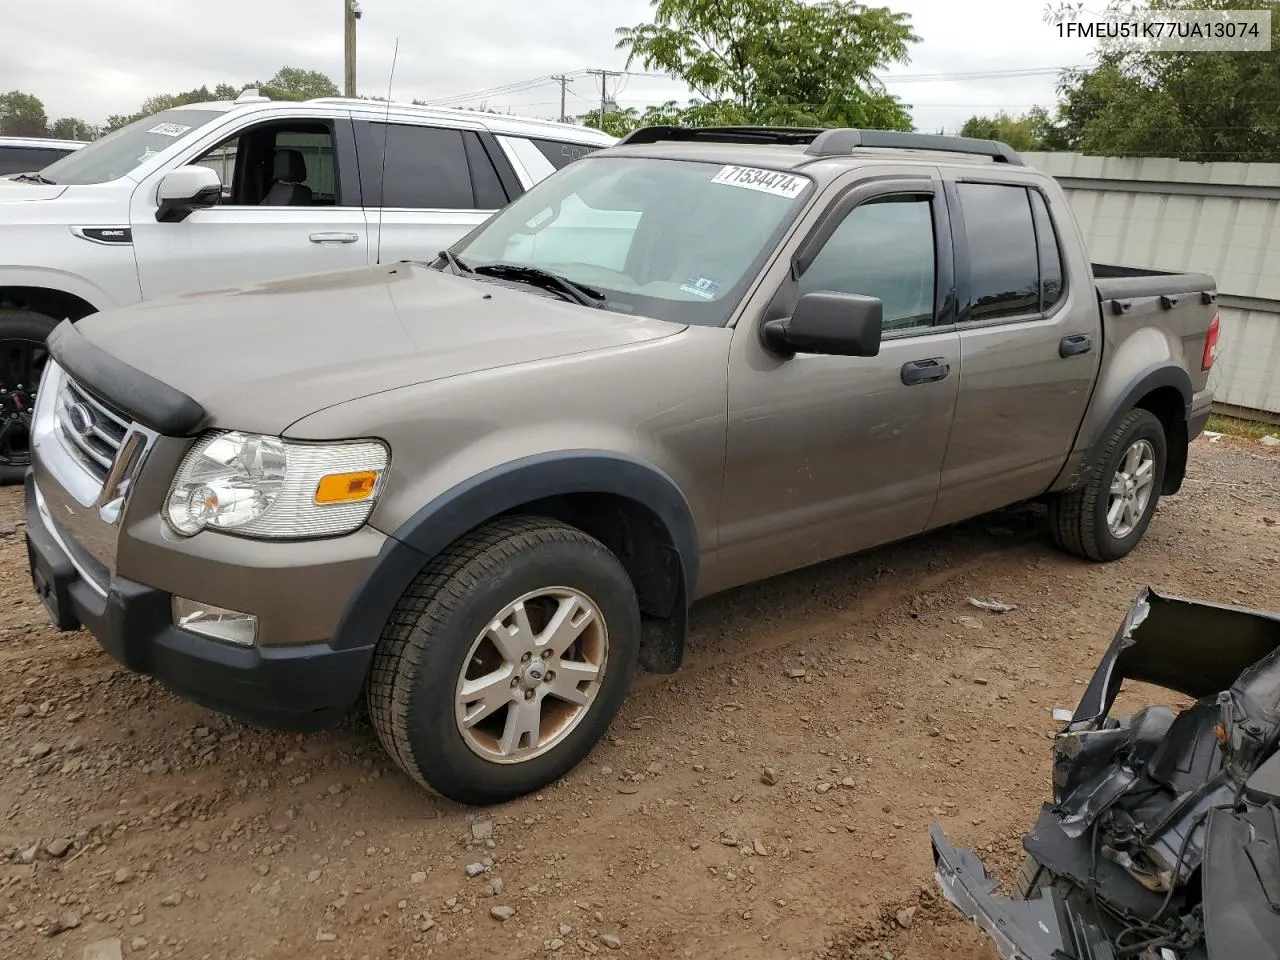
350	14
604	76
564	82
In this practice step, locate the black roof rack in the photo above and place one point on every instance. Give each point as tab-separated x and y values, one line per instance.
821	142
668	134
833	143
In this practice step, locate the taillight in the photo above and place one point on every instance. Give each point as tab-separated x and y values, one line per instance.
1210	345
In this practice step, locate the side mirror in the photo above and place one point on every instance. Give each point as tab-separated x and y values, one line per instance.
186	189
836	324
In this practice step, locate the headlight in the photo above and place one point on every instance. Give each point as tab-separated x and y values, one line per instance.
267	487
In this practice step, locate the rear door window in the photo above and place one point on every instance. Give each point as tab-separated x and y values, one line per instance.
1004	267
426	168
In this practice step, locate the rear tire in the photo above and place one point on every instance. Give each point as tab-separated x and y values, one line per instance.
22	358
505	661
1106	517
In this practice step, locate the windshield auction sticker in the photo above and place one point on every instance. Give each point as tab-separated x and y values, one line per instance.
169	129
766	181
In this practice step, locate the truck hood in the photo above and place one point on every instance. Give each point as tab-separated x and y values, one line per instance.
260	358
11	190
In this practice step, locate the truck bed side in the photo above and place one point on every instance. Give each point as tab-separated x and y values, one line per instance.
1154	327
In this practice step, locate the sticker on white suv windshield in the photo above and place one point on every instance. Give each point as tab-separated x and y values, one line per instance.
766	181
169	129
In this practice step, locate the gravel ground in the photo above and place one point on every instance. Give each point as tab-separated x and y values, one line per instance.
771	800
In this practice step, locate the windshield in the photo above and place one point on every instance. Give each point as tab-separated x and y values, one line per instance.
672	239
120	151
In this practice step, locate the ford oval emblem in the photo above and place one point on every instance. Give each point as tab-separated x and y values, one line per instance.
80	418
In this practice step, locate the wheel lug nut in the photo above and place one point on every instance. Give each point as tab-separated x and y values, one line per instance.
551	675
546	654
526	658
515	682
528	694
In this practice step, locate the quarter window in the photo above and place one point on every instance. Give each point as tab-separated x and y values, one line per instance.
1050	253
884	248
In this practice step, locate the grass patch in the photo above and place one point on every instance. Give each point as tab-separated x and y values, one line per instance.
1236	427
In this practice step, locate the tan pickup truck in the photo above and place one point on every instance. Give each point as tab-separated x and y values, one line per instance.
478	492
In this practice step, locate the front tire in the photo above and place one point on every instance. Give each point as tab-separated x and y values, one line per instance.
505	661
1108	515
22	359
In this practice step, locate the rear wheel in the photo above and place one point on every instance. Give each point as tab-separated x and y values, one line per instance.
22	359
1108	515
505	661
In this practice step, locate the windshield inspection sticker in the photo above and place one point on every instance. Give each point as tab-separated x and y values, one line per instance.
169	129
703	287
766	181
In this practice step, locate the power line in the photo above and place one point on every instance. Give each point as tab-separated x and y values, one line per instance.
953	77
604	76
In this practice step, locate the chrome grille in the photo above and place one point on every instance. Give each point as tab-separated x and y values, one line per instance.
90	429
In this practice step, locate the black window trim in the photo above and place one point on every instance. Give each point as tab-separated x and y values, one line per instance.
844	203
502	163
1056	233
961	245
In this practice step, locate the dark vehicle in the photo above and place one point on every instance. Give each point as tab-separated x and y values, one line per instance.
1163	838
29	154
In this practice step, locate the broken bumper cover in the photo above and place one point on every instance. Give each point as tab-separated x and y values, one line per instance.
1044	928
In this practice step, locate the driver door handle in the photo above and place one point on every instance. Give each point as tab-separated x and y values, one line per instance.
334	238
1074	345
925	371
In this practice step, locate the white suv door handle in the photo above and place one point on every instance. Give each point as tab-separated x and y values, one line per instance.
334	238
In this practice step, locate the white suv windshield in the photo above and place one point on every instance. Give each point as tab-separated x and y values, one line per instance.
120	151
673	239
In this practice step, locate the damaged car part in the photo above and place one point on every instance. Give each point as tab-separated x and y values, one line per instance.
1163	837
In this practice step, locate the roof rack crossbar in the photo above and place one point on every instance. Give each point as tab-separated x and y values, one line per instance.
820	142
834	143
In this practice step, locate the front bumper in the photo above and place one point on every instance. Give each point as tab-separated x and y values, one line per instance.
300	686
1044	928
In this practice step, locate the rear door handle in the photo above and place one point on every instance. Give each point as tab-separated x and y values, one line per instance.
1074	346
334	238
925	371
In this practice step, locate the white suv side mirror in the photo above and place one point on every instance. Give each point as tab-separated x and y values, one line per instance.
186	189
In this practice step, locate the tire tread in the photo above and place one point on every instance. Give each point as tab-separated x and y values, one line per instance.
429	600
1073	515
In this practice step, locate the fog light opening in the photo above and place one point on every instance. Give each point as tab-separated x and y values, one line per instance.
219	623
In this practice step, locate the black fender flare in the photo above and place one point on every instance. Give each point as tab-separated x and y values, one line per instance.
1167	374
499	490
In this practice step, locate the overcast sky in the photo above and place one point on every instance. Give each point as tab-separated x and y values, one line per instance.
91	58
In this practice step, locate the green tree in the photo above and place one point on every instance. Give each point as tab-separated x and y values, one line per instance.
1033	130
72	128
294	83
1188	105
778	61
22	115
167	101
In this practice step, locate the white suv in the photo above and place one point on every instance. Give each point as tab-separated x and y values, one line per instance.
228	194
